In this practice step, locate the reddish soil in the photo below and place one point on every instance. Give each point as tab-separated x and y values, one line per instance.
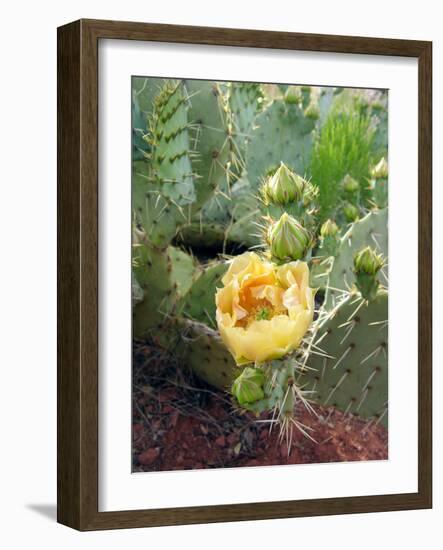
179	424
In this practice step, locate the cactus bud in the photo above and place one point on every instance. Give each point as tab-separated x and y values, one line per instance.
380	170
312	111
329	238
293	95
351	212
329	229
283	187
350	185
248	387
368	261
288	239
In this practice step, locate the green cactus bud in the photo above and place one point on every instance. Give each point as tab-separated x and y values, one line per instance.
288	239
380	170
329	229
293	95
283	186
312	111
368	261
351	212
329	238
350	185
248	387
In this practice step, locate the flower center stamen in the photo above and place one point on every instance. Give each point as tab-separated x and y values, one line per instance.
263	313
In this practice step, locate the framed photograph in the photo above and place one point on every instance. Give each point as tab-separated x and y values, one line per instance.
244	274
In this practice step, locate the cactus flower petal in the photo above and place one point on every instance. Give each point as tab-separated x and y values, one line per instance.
264	310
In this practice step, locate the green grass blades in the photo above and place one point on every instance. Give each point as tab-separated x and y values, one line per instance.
343	147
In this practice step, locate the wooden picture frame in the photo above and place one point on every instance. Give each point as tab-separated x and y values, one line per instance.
78	273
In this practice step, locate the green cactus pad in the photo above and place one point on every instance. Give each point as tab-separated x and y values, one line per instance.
203	351
169	138
283	134
208	118
140	147
160	278
145	90
152	269
136	291
246	214
199	302
184	270
355	378
371	230
159	217
245	104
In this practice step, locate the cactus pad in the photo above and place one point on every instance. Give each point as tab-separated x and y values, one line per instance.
354	378
199	302
371	230
283	134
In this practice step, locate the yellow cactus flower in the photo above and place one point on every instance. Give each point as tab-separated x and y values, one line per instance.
263	310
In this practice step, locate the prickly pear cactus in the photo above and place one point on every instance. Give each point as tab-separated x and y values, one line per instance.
207	114
333	268
370	230
283	134
198	303
163	188
202	350
351	371
245	102
164	277
152	269
169	139
205	183
154	213
140	148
